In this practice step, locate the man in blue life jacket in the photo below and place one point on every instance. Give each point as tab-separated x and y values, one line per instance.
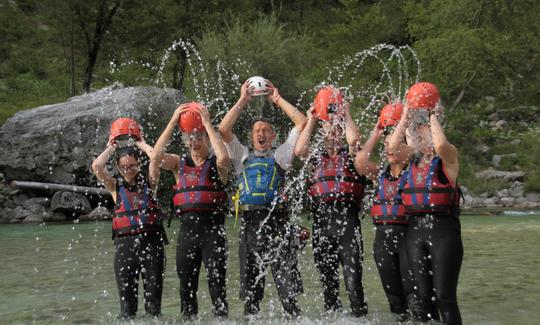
264	235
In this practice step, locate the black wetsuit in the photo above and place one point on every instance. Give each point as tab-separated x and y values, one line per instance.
265	242
435	252
202	240
337	239
138	254
135	255
390	254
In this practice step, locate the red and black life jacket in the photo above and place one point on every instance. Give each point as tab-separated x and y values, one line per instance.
196	191
335	181
388	206
425	192
135	211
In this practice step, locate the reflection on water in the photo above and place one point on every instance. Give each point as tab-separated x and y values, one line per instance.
63	273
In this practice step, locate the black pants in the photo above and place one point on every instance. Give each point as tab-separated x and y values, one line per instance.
390	253
139	254
265	242
202	239
435	251
337	239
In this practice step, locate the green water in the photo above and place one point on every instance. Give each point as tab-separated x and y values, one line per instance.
63	274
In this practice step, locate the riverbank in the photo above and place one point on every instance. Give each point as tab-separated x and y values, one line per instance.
32	206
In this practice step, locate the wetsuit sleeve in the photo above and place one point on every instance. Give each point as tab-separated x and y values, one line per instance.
285	153
237	153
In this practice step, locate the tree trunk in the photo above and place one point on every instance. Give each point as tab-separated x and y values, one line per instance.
103	22
179	70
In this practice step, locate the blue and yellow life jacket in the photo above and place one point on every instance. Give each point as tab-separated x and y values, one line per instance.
259	183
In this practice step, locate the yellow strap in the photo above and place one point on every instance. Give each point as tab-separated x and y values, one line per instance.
236	200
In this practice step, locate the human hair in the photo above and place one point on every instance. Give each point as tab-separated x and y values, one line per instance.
128	151
262	119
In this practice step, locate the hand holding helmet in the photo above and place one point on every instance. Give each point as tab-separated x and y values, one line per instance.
329	100
125	131
423	95
258	86
245	92
189	117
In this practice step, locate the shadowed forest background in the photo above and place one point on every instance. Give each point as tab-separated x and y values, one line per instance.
483	56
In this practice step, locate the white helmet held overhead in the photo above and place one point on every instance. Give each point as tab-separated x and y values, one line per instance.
260	86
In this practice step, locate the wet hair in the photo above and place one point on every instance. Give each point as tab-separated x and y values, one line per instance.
262	119
128	151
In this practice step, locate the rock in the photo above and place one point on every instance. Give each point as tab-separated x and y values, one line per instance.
500	124
507	201
515	142
492	173
502	193
57	143
20	198
483	149
54	216
70	203
496	159
33	218
36	205
491	202
493	117
533	197
20	213
484	195
99	213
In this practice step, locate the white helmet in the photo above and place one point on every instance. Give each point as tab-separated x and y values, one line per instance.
260	86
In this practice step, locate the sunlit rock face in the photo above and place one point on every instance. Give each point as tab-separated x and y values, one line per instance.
57	143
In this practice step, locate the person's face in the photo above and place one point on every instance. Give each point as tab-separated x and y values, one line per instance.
262	135
400	156
423	139
128	167
197	142
333	134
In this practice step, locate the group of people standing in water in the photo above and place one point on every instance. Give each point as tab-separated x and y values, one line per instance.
417	249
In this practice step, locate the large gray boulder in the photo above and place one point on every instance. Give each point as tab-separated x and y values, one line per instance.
57	143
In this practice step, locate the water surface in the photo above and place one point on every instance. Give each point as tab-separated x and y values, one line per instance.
62	273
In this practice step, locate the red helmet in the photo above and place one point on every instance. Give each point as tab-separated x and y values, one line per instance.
328	100
423	95
190	120
390	115
125	126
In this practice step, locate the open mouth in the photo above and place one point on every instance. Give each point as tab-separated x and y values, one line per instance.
261	142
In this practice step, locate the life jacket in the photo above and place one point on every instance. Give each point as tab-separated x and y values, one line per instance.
388	207
135	212
335	181
260	182
195	190
426	193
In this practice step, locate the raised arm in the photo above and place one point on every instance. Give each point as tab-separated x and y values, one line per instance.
301	149
362	164
99	167
228	121
222	156
352	134
443	148
395	140
292	112
159	159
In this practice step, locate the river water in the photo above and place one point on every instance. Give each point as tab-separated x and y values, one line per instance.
62	273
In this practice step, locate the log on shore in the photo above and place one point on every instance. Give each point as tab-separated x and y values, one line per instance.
60	187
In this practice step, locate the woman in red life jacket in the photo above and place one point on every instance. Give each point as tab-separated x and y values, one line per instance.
431	198
137	229
335	194
200	202
388	211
